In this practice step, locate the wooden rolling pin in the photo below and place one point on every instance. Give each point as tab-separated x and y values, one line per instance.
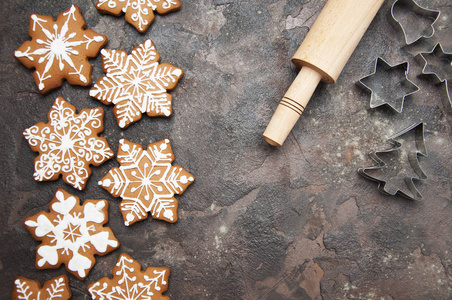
321	57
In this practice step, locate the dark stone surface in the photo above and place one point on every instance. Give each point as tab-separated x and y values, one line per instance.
295	222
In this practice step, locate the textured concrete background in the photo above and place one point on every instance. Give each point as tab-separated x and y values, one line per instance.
295	222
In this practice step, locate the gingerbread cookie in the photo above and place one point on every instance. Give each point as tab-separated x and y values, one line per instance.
71	234
60	49
146	181
129	282
138	13
136	83
56	288
68	144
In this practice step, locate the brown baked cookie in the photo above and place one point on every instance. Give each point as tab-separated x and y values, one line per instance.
60	49
56	288
129	282
68	144
139	13
136	83
146	181
71	234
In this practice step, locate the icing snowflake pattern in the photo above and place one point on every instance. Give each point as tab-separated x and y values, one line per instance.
56	288
71	233
60	49
130	283
136	83
139	13
68	144
146	181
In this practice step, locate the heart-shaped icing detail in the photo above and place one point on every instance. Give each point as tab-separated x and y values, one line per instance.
64	206
93	212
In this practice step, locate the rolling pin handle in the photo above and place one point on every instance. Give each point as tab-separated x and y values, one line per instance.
292	106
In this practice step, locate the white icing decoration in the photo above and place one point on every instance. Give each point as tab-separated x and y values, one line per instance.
44	226
66	142
136	83
72	234
64	206
126	285
94	213
59	46
150	177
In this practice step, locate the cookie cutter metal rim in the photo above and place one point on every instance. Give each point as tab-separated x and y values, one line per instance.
388	66
419	10
412	157
447	101
437	51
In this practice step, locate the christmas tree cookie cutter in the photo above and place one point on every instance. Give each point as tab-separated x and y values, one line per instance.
437	64
447	100
416	21
389	85
391	172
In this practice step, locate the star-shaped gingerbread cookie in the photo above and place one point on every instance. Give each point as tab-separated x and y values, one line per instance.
138	13
68	144
136	83
71	234
60	49
129	282
146	181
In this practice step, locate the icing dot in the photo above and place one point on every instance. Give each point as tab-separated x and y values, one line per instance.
177	72
147	44
41	86
168	214
130	218
183	179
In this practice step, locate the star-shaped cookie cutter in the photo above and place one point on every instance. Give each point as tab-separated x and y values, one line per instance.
386	186
437	64
389	85
416	21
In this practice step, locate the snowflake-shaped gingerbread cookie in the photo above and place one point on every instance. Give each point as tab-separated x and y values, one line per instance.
56	288
130	283
68	144
139	13
60	49
71	233
146	181
136	83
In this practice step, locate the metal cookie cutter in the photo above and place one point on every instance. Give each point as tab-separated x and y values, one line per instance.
398	167
447	100
438	67
437	64
389	85
416	21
